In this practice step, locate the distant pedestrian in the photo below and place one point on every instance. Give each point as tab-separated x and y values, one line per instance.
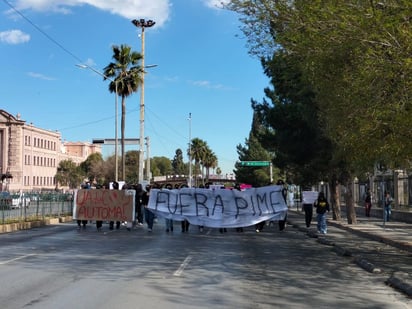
388	206
322	206
368	203
308	209
307	204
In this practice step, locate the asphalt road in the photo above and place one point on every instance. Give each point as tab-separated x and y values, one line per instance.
61	267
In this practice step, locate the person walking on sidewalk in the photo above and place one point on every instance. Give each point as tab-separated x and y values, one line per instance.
308	199
368	203
388	206
322	205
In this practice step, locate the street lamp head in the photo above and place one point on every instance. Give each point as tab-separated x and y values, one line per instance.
142	23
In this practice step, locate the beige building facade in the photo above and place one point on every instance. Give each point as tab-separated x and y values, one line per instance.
29	156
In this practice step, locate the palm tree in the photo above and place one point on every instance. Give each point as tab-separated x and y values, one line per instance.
197	152
127	77
209	161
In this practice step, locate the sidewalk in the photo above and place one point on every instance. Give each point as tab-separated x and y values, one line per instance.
361	240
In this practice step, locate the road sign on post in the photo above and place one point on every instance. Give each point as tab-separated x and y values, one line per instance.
254	163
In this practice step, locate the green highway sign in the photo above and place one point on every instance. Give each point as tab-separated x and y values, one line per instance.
255	163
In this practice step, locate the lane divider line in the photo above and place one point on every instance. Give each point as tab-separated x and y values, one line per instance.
182	266
17	258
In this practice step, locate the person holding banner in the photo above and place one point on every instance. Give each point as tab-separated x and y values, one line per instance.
115	186
148	215
282	222
308	199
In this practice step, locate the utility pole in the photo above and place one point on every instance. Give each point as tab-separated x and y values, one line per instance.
142	23
190	151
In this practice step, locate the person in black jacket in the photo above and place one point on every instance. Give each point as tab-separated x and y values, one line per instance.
322	206
282	223
148	215
115	186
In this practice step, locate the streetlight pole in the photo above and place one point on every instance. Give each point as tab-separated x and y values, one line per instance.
84	66
142	23
190	150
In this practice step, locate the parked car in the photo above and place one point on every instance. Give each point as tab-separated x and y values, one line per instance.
20	200
5	200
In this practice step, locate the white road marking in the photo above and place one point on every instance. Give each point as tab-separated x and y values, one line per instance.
16	259
186	262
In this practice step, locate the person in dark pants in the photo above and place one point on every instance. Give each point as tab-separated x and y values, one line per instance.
148	215
80	223
185	226
111	224
368	203
99	223
308	209
259	226
138	204
282	222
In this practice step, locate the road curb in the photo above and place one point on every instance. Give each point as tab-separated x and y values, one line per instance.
401	282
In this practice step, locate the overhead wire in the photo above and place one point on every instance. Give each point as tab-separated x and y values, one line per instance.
61	46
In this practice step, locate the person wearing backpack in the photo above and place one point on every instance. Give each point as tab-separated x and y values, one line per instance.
322	206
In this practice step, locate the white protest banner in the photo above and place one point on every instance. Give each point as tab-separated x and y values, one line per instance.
104	205
309	197
219	207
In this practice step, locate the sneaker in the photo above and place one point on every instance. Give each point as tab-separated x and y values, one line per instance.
149	230
257	230
139	223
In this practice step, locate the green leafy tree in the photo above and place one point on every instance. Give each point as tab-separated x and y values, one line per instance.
253	175
89	167
178	164
161	166
69	174
356	57
198	150
132	166
127	73
209	161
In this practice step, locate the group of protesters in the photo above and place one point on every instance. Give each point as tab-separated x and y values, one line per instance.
142	211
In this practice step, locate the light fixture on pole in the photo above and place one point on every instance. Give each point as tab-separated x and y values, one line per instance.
142	23
84	66
190	151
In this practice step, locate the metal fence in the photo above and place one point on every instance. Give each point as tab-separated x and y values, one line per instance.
39	207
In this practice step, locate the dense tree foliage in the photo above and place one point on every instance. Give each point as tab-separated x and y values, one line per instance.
69	174
254	151
356	57
161	166
179	167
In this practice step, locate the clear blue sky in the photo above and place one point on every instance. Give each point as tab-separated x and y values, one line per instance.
203	68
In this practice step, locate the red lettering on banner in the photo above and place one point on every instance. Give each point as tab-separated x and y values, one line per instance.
102	204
